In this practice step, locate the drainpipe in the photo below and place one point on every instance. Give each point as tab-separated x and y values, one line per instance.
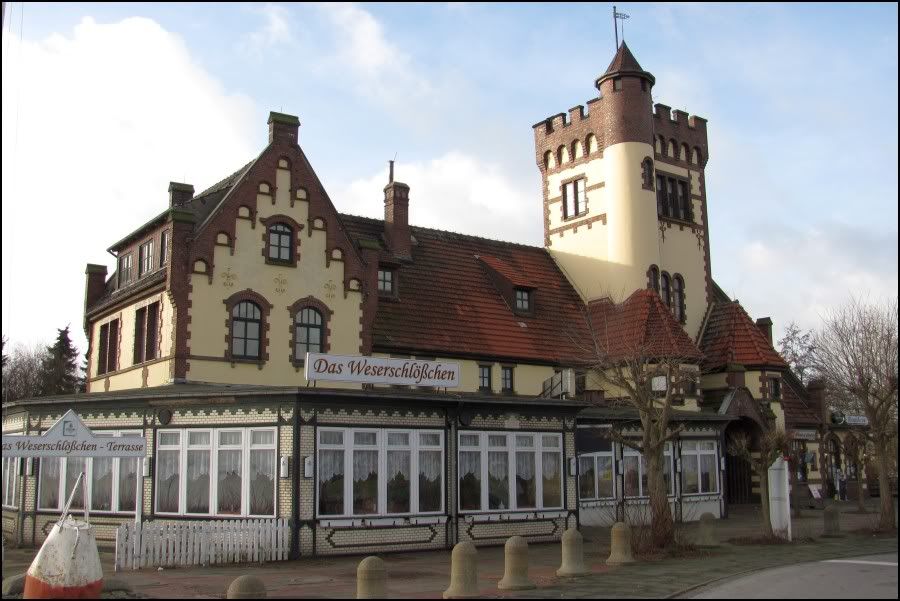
23	464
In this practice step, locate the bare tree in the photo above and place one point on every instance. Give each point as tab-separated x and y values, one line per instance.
626	364
797	349
23	373
856	354
774	442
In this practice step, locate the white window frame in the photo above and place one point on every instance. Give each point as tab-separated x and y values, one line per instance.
381	446
593	457
667	456
574	198
11	476
214	447
88	482
697	452
512	448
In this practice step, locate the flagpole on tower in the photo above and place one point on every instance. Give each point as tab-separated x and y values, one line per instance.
616	27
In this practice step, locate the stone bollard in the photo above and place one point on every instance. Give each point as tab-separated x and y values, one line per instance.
707	535
463	572
572	555
246	587
832	521
620	545
515	576
371	579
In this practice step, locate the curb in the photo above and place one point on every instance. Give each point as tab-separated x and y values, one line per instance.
751	571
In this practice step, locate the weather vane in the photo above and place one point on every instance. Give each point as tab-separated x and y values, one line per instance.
617	16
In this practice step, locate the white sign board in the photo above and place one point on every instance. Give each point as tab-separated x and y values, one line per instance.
69	437
378	370
856	420
779	499
659	383
804	434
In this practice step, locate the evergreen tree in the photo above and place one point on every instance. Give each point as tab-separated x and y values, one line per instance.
59	371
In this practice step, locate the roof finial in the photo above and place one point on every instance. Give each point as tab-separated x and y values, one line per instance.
617	16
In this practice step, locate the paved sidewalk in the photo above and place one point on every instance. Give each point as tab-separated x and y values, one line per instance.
427	574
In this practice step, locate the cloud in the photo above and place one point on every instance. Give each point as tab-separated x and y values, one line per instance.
96	122
454	192
378	69
276	30
795	273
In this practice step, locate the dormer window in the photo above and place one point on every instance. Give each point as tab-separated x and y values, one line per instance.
776	388
145	262
617	83
126	269
386	281
523	299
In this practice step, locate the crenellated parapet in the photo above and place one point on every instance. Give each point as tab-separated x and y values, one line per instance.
566	137
679	137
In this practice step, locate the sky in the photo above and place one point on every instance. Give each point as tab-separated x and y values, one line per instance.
105	104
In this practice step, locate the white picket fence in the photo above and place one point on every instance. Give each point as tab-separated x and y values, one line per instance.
160	544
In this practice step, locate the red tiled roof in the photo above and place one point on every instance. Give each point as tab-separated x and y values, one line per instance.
447	303
516	278
640	326
793	401
623	61
730	336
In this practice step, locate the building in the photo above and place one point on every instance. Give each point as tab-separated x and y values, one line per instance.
198	342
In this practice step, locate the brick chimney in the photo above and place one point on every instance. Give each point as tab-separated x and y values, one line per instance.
283	129
765	326
94	287
816	390
179	194
396	217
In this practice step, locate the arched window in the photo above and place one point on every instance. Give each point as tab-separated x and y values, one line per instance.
653	277
685	153
246	325
678	298
308	334
695	157
658	146
672	149
647	173
666	289
549	161
590	143
281	242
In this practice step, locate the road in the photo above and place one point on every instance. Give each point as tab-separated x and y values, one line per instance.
871	577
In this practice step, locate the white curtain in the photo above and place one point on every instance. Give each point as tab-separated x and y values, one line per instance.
167	481
50	482
262	482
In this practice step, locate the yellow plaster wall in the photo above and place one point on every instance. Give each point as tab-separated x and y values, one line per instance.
612	259
281	286
682	251
128	374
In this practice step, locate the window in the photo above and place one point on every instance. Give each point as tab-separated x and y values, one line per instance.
665	289
617	83
508	471
523	299
146	333
108	348
647	173
308	333
678	298
776	388
145	261
226	472
246	324
10	481
595	476
574	201
635	470
484	377
281	238
653	277
386	281
410	462
506	378
164	248
126	269
699	473
110	482
684	196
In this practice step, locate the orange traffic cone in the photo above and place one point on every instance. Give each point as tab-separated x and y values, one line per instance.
68	564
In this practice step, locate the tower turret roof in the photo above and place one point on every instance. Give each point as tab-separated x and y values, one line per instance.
624	63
